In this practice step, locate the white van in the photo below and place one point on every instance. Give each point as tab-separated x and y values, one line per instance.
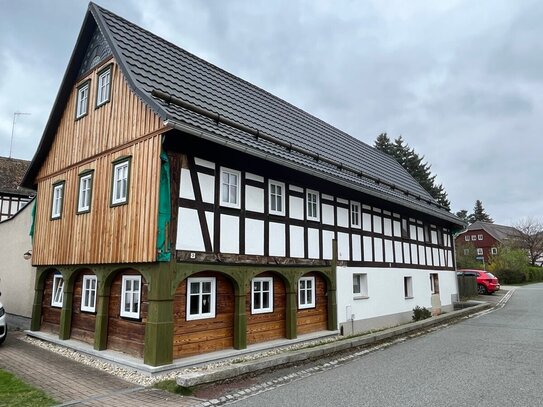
3	324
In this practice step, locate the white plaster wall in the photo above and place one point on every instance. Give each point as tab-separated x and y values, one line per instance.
327	237
277	239
207	186
327	214
254	237
229	234
313	243
254	199
17	275
296	207
386	291
296	241
343	246
185	187
343	217
357	247
189	233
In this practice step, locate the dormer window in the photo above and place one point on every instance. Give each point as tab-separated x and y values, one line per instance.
103	90
82	106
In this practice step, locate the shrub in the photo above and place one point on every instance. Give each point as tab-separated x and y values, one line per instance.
535	274
420	313
508	276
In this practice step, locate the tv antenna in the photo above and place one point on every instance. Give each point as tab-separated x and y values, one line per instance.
15	115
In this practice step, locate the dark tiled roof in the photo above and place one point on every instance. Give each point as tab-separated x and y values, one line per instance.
12	171
150	63
498	232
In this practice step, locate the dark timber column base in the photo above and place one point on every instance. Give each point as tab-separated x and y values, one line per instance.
158	348
291	317
240	323
332	310
66	314
102	317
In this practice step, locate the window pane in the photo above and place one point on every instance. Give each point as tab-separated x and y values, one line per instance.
265	286
127	302
233	194
266	300
194	288
206	304
194	304
135	302
206	287
256	301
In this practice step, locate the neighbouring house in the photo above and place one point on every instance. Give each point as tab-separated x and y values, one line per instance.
183	210
13	197
485	238
16	272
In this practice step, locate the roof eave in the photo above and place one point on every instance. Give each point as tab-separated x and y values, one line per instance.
446	216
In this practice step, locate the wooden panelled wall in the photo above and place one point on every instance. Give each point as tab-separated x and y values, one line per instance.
121	120
121	234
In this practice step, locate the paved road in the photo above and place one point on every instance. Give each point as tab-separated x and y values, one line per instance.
494	359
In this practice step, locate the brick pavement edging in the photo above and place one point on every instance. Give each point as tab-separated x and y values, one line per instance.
191	379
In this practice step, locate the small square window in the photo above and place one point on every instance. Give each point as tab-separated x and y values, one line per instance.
479	251
408	287
201	293
306	292
355	215
466	252
312	201
88	294
131	297
119	190
103	90
261	295
434	283
276	198
57	200
85	193
493	250
466	238
230	188
57	296
473	237
480	237
360	285
82	103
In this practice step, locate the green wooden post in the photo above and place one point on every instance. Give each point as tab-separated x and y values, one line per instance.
38	300
332	301
66	312
102	315
240	321
158	349
291	316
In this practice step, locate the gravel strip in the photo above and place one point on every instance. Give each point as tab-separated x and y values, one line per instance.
133	376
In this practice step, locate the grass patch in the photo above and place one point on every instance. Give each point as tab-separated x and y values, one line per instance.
15	392
173	387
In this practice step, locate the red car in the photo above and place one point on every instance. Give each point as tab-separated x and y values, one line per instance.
487	283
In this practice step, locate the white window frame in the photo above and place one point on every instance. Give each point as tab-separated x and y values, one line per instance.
306	294
85	194
479	237
473	238
103	89
131	313
408	287
466	238
275	197
493	250
119	191
262	310
309	192
57	293
82	103
466	252
227	200
88	294
200	294
360	280
480	251
57	200
358	213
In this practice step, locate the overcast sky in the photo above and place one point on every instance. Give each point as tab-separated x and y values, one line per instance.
461	81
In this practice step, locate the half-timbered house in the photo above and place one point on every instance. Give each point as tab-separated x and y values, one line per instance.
182	210
13	197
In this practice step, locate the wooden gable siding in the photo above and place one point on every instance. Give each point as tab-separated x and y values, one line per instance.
106	234
121	120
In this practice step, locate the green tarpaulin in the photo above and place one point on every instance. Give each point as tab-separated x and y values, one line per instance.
164	211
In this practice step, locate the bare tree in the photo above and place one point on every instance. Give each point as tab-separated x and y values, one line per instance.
530	238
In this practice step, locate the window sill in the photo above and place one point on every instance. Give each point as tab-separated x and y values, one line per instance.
361	297
409	298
